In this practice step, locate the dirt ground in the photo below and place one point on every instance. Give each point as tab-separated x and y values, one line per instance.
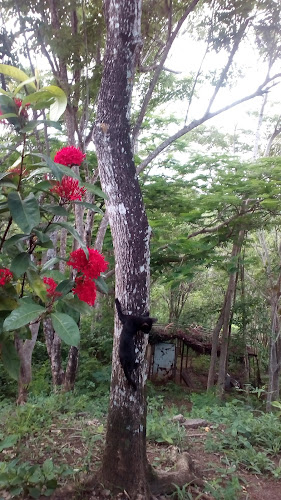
254	487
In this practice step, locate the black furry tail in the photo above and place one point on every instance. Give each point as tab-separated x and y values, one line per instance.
119	310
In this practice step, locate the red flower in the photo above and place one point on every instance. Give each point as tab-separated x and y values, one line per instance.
5	276
18	103
16	171
85	289
68	189
69	156
92	267
51	291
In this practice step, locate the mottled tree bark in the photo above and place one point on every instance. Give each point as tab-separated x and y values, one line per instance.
124	461
25	349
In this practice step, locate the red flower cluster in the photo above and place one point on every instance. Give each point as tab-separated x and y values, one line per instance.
16	171
18	103
85	289
5	276
51	291
69	156
68	189
23	113
91	268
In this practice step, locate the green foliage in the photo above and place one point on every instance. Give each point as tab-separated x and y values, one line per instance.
160	427
28	221
226	486
33	480
242	437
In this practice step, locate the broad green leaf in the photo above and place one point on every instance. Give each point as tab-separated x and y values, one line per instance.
50	263
8	115
25	213
57	98
4	174
72	231
94	189
16	74
27	311
24	84
9	441
37	284
48	468
32	124
10	358
42	237
57	169
38	171
90	206
101	284
7	304
14	240
65	286
78	305
66	328
20	264
55	209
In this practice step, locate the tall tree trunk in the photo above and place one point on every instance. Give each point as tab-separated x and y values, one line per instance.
224	322
274	286
274	347
226	331
124	462
25	349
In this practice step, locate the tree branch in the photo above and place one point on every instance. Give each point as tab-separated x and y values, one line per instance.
158	70
207	116
229	62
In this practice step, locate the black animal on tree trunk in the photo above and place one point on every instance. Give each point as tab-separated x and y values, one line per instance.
127	353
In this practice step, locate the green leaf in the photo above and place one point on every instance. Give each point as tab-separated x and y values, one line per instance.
20	264
24	84
52	93
7	304
9	115
32	124
72	231
14	240
27	311
101	284
10	359
50	263
96	190
57	169
78	305
48	468
55	209
66	328
9	441
65	286
37	284
25	213
90	206
16	74
34	492
42	237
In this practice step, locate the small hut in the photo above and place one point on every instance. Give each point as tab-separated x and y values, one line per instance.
170	348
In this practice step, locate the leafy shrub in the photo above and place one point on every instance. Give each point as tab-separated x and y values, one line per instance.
160	427
33	480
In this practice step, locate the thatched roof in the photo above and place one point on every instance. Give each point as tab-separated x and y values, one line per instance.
194	336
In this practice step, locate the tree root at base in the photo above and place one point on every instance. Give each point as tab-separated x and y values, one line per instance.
185	473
